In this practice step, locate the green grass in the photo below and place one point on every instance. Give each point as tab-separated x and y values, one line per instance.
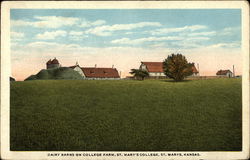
126	115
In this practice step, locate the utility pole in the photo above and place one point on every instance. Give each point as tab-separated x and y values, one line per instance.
233	71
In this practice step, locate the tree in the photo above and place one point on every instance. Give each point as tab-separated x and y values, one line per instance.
177	67
139	73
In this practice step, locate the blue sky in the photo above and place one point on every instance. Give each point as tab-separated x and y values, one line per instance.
124	37
94	28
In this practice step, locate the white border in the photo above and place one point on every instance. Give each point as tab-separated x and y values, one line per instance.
5	68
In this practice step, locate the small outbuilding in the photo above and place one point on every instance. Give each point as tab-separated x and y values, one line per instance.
224	73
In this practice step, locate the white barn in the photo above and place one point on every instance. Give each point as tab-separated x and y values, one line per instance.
96	73
155	69
224	73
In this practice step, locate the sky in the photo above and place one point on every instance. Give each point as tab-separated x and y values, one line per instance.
124	38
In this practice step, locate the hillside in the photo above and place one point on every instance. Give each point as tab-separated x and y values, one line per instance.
57	73
126	115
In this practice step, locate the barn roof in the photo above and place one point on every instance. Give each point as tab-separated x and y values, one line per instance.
92	72
194	69
49	62
223	72
158	67
73	67
54	61
154	66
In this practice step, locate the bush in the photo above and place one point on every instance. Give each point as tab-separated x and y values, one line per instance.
139	74
177	67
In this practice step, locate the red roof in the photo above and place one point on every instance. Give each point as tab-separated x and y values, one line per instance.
93	72
194	69
223	72
54	61
49	62
154	66
158	67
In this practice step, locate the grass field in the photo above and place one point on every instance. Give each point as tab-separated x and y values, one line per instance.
126	115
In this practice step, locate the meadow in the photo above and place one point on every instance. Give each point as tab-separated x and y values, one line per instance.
126	115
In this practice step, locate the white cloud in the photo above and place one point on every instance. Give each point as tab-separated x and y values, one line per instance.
47	22
225	45
86	23
197	38
156	39
230	31
180	29
185	44
54	21
51	35
98	22
107	30
159	45
142	40
129	32
16	35
20	23
39	45
76	33
211	33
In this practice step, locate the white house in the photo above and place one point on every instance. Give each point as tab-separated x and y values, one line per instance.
155	69
224	73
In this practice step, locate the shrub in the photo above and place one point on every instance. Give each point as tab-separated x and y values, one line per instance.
177	67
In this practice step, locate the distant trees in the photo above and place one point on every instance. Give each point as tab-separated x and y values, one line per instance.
139	73
177	67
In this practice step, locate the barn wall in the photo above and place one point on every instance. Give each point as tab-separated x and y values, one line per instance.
52	66
229	74
79	70
154	74
143	67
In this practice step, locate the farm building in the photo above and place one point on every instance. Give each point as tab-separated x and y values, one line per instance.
88	72
155	69
195	71
96	73
52	64
224	73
